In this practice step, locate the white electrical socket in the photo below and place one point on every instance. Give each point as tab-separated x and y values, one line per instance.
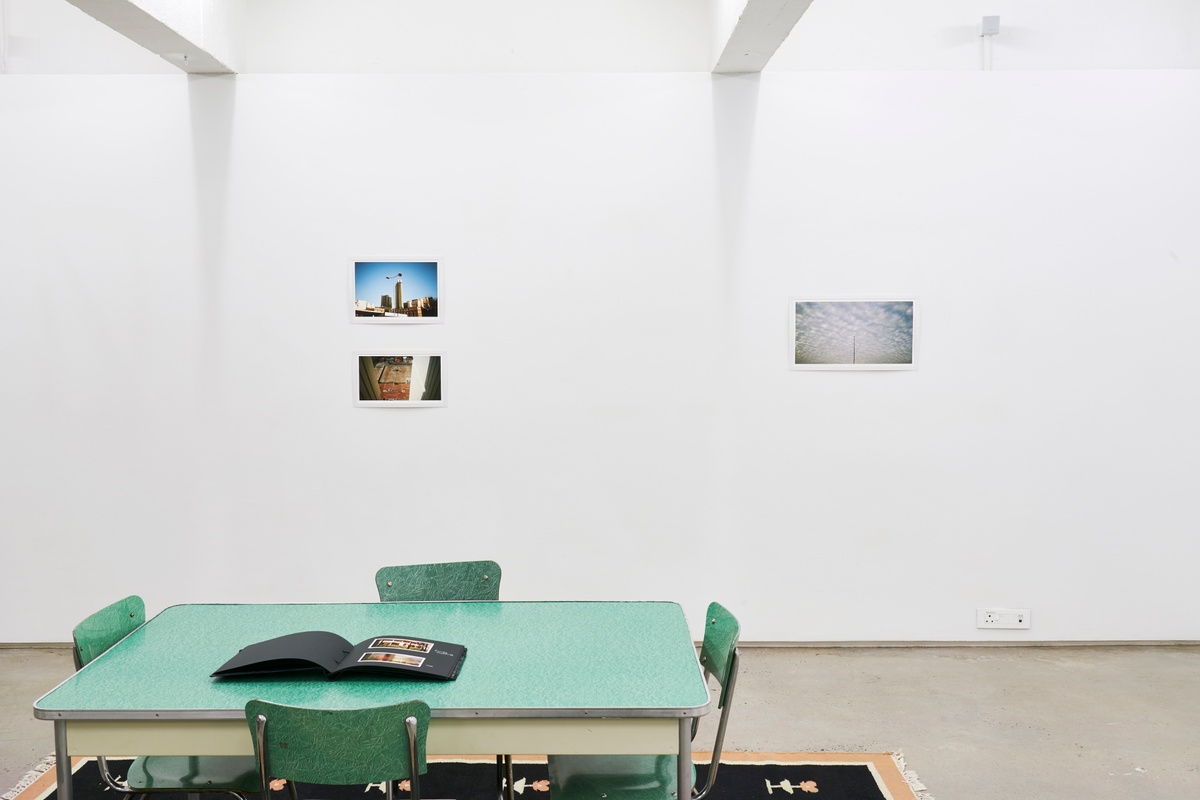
1002	618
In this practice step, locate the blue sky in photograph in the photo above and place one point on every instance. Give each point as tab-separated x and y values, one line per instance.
858	332
371	279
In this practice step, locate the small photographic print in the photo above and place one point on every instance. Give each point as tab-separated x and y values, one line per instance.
393	658
404	644
399	380
854	334
395	290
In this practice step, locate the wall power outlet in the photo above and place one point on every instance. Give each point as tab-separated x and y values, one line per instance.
1002	618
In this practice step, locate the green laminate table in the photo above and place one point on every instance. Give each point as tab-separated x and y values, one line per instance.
539	677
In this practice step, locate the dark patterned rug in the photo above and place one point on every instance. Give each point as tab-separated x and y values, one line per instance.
743	776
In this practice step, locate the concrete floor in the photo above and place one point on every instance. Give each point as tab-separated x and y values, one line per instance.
975	723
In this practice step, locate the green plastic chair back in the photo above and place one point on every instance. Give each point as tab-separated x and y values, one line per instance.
338	746
721	631
450	581
106	627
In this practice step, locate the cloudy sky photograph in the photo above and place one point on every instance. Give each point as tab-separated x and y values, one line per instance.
854	333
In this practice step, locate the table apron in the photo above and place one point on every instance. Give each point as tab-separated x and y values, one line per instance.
447	736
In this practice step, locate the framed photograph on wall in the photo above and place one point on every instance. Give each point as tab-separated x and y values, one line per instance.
399	379
395	290
854	334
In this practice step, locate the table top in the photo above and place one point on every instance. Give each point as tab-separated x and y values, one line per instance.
524	659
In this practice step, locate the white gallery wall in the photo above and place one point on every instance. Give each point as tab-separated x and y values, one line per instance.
619	251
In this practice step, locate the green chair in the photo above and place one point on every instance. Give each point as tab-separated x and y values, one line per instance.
341	747
655	777
235	775
450	581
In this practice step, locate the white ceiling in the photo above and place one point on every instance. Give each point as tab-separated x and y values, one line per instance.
207	36
476	36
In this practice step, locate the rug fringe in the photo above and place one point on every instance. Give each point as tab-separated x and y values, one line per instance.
911	778
40	769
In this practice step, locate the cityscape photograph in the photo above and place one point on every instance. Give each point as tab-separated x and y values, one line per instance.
395	291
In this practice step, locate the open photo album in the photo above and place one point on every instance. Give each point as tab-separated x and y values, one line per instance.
321	650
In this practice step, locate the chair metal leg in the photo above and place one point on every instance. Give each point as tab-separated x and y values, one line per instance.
414	771
260	747
109	779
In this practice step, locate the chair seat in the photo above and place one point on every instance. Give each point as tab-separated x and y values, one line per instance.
593	777
194	774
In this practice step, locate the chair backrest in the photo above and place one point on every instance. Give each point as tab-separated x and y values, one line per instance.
340	746
106	627
719	657
450	581
718	652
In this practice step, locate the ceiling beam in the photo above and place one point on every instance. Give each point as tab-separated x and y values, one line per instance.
194	35
762	25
